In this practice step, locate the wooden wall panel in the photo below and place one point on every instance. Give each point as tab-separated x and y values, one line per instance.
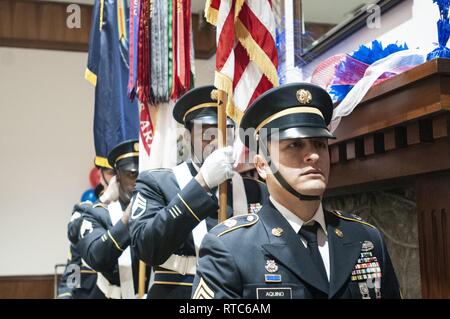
204	35
27	287
42	25
433	204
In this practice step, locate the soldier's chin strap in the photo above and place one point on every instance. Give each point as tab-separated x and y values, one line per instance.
280	178
103	175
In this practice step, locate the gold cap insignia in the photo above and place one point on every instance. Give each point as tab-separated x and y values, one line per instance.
277	231
339	233
304	96
136	147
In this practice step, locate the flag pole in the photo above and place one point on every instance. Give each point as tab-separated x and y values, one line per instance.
222	139
142	275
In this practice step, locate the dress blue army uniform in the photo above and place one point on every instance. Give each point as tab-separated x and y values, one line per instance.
87	276
262	256
166	219
104	239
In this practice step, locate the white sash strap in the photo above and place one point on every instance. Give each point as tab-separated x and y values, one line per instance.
125	263
198	233
239	196
184	176
110	291
185	265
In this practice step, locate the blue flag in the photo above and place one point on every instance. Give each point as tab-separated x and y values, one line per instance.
116	118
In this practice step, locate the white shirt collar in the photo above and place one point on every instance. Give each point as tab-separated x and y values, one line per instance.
296	222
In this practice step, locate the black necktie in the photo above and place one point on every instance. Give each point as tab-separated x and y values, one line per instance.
309	233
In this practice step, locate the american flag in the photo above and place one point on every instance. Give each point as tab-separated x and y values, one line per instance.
246	58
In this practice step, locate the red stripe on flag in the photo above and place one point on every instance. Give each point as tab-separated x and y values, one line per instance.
259	33
263	85
226	40
241	62
215	4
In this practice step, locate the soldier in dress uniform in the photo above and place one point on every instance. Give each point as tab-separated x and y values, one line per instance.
104	237
78	280
293	248
173	209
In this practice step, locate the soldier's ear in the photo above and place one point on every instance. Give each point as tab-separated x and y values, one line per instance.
261	166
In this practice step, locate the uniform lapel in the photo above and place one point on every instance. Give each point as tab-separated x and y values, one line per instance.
288	248
344	250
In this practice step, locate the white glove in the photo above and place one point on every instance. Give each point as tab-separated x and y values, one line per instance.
111	193
218	167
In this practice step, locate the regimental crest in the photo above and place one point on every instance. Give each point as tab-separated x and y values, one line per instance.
254	208
304	96
271	266
339	233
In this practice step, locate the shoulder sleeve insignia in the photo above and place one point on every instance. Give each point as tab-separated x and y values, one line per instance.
75	215
254	208
203	291
235	222
86	228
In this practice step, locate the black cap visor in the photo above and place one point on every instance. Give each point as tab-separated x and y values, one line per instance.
208	120
303	132
130	164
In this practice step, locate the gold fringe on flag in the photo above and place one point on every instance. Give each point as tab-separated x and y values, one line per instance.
90	76
256	54
211	14
237	8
